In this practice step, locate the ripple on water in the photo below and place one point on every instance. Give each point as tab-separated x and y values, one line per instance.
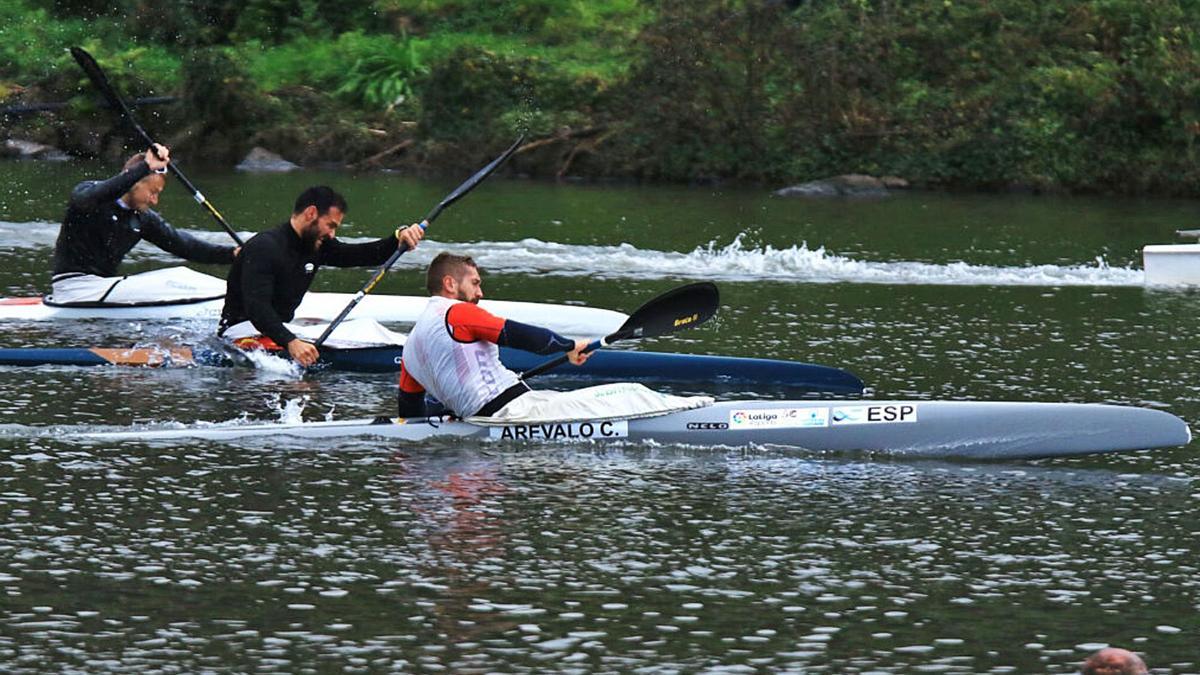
613	559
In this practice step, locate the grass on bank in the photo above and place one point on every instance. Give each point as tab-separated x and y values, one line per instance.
1086	95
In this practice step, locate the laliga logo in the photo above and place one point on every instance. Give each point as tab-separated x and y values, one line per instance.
739	417
687	319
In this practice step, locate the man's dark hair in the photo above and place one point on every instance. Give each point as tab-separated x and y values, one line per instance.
446	263
321	196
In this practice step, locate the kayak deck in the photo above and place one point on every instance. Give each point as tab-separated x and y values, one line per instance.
567	319
964	429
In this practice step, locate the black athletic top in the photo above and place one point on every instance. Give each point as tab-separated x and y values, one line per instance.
97	232
272	274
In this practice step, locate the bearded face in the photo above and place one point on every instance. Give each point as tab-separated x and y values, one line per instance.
311	237
321	228
469	286
465	296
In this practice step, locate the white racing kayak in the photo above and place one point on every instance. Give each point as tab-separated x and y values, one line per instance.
1172	264
567	319
965	429
570	319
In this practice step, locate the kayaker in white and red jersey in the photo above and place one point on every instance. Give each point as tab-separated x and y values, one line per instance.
105	220
453	353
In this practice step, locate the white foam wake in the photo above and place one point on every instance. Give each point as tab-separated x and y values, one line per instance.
732	262
735	262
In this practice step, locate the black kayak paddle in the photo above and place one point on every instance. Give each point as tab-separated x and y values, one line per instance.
671	312
96	75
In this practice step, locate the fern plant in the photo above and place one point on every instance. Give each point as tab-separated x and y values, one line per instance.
384	80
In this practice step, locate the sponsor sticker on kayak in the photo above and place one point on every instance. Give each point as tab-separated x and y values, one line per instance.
779	418
707	426
566	431
874	414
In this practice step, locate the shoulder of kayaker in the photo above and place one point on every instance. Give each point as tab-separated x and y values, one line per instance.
468	322
266	250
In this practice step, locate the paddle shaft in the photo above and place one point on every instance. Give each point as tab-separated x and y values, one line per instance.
96	75
559	360
362	292
454	196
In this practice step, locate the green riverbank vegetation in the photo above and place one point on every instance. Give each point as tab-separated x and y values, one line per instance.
1087	96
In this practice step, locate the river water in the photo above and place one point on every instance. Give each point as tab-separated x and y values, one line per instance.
362	555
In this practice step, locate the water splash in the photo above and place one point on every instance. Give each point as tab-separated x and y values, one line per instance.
735	261
290	411
801	264
268	363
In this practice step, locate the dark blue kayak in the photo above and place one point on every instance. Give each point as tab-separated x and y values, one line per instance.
605	364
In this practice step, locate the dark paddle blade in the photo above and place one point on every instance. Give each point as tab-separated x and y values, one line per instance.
458	193
98	78
671	312
96	75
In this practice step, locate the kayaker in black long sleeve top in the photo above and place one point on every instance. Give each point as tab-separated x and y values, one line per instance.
276	267
106	219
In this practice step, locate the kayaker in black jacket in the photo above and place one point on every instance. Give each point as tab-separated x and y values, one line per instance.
105	220
276	268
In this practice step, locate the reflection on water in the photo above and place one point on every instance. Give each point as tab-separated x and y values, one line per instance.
609	559
287	554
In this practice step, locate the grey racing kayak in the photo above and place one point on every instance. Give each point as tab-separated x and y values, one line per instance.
965	429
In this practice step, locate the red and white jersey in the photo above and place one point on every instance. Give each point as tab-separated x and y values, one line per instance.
452	353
